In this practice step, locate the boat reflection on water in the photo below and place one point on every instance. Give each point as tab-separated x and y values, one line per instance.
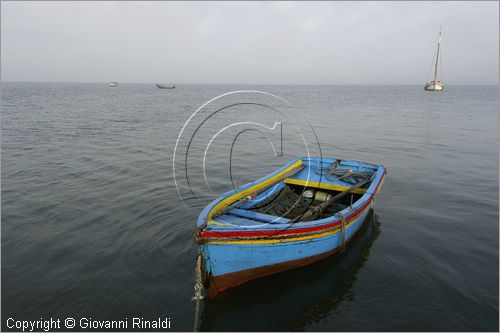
293	299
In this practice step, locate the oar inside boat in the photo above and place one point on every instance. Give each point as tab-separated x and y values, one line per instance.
316	211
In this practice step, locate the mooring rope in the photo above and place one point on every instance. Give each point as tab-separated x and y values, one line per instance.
342	228
341	174
198	289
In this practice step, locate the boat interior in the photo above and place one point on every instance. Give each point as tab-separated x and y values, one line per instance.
333	185
292	201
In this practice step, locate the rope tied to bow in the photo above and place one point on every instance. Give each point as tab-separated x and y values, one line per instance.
198	290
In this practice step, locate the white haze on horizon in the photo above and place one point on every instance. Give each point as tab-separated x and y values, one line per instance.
248	42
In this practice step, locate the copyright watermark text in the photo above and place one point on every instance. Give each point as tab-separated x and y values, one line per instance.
52	324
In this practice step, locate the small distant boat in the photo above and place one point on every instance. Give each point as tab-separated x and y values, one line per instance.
161	86
305	211
113	84
435	84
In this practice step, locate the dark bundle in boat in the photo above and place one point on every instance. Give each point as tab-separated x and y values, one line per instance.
305	203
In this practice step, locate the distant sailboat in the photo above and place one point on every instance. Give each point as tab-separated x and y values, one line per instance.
113	84
435	84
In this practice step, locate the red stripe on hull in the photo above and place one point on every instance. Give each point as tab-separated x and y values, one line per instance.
222	234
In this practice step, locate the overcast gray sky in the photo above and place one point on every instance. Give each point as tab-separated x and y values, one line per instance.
248	42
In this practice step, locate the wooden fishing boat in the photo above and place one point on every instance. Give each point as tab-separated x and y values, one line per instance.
299	214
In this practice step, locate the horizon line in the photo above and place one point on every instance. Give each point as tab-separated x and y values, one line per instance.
262	84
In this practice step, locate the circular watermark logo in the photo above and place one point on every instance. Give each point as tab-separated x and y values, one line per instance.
238	128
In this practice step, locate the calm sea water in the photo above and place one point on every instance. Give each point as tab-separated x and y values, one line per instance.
93	226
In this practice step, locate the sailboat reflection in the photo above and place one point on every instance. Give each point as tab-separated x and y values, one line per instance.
292	300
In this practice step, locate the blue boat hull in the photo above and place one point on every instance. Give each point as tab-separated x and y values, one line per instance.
235	251
228	266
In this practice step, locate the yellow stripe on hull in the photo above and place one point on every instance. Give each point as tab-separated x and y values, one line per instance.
287	240
228	201
380	184
323	186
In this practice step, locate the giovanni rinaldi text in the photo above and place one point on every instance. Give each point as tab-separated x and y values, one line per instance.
86	323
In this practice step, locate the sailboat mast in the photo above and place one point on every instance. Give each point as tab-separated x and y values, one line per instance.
437	55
